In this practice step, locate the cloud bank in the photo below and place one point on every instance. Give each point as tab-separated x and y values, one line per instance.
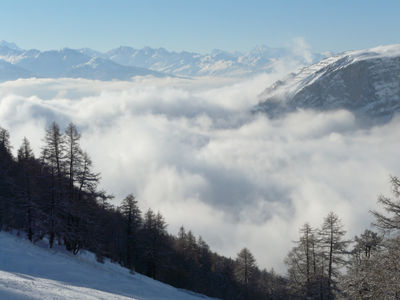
192	150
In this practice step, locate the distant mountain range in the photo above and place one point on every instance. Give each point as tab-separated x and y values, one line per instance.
18	63
124	63
218	62
365	82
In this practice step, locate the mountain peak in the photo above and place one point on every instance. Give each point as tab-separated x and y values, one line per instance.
379	51
261	48
160	60
9	45
365	82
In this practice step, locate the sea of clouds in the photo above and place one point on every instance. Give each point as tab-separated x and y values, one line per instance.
192	149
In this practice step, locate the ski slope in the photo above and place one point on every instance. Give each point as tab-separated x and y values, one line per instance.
30	271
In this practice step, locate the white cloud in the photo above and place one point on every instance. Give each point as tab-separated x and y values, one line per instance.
300	48
191	149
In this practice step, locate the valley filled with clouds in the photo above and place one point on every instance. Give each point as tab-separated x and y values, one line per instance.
192	149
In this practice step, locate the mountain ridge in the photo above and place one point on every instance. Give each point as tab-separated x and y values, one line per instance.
217	62
157	61
65	62
365	82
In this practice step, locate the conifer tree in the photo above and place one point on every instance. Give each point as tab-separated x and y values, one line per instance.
390	221
333	247
88	180
6	181
27	181
245	268
154	235
5	141
53	154
132	217
361	282
73	157
303	264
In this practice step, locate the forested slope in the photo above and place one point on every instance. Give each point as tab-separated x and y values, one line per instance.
54	198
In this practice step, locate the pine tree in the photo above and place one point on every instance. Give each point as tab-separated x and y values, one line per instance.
132	217
154	239
27	181
78	173
53	154
5	140
391	222
245	268
6	180
73	157
334	247
303	263
56	197
87	180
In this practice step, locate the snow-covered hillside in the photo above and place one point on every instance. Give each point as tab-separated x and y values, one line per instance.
366	82
28	271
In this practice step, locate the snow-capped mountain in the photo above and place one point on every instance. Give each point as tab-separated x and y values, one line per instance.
365	82
125	62
8	45
9	71
218	62
17	63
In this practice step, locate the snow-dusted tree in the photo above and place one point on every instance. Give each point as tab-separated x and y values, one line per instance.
361	281
245	269
384	282
304	263
390	222
333	248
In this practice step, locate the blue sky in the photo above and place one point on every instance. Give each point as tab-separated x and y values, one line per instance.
199	25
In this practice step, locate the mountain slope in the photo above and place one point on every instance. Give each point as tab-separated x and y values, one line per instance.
11	72
32	272
64	63
365	82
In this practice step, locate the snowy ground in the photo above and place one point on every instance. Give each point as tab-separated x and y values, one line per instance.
28	271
